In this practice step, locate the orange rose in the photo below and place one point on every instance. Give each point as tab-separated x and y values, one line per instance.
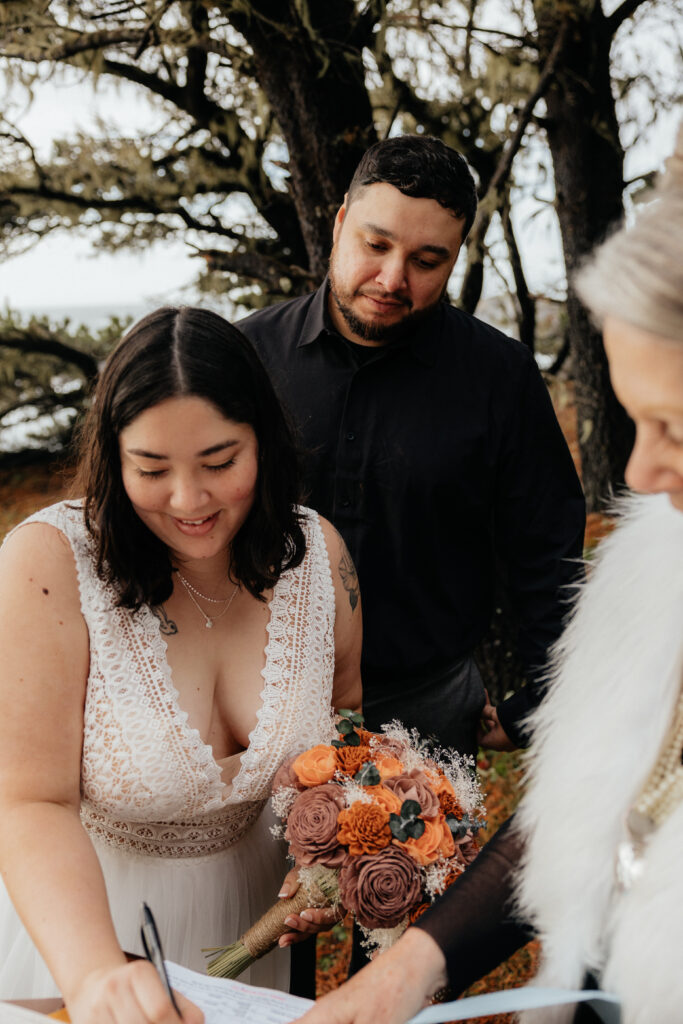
385	799
426	849
351	759
315	765
364	828
447	844
387	766
439	781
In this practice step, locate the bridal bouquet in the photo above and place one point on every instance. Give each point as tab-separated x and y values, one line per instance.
377	823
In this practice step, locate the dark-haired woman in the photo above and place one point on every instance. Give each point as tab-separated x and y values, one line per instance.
166	642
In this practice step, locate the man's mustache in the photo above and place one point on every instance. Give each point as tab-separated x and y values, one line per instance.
383	296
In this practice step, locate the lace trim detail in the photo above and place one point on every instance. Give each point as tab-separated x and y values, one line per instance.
302	614
141	760
171	839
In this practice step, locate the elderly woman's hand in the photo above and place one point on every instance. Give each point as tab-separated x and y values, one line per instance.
128	994
390	990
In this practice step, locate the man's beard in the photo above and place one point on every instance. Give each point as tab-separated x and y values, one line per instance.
368	330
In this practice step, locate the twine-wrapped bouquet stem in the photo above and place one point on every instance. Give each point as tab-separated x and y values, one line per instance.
321	890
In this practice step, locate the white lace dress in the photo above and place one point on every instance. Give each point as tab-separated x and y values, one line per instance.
165	826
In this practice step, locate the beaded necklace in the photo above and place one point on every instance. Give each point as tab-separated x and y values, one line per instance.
659	797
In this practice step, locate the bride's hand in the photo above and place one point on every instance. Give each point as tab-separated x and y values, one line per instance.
308	922
128	994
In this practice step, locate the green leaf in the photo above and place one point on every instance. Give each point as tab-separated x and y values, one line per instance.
415	828
410	809
344	727
345	712
338	743
367	775
356	718
352	740
397	831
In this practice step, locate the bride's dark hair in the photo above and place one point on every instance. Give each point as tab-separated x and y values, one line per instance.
182	352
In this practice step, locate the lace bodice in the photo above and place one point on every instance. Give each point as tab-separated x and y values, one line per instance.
148	781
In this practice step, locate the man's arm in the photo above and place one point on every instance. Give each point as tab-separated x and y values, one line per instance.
539	527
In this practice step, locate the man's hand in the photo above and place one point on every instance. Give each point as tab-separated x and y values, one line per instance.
390	990
491	733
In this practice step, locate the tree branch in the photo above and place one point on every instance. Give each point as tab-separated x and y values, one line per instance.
625	10
265	270
35	339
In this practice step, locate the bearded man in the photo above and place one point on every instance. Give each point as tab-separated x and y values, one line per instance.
432	446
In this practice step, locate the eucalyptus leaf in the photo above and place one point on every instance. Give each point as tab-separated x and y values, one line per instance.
338	743
352	740
410	809
356	718
415	828
345	712
344	727
367	775
397	831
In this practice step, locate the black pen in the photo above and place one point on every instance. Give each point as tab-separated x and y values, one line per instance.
151	943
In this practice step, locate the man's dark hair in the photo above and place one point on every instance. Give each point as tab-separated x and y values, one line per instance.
168	354
422	167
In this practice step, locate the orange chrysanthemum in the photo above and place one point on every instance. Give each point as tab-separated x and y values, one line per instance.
363	828
450	804
418	911
316	765
351	759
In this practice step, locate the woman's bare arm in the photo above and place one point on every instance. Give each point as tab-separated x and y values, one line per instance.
46	858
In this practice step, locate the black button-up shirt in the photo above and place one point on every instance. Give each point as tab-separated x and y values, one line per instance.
432	456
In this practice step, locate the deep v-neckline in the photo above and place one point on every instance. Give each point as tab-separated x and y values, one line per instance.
195	744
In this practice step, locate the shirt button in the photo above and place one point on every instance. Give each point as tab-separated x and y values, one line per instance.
350	436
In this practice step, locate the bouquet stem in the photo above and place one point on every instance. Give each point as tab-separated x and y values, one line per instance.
264	934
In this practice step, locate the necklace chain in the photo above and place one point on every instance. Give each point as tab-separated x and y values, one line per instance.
664	787
204	597
208	619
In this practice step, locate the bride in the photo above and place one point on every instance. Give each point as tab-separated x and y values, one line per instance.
167	641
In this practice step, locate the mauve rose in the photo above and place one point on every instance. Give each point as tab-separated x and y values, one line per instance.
380	888
285	778
312	826
415	786
466	850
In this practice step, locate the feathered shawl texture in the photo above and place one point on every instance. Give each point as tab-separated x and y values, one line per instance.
617	674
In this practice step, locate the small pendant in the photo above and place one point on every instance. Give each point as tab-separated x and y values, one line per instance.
209	624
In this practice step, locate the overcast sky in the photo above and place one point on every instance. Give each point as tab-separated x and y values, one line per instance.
62	270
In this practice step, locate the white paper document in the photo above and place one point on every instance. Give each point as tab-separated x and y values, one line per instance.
232	1002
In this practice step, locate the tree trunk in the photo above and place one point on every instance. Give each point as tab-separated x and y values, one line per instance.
588	166
309	64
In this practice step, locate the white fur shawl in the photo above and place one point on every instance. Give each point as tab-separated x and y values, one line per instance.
617	674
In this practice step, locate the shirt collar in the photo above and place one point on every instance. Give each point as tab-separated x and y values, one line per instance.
423	343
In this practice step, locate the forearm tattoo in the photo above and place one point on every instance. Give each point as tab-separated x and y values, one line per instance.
349	576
